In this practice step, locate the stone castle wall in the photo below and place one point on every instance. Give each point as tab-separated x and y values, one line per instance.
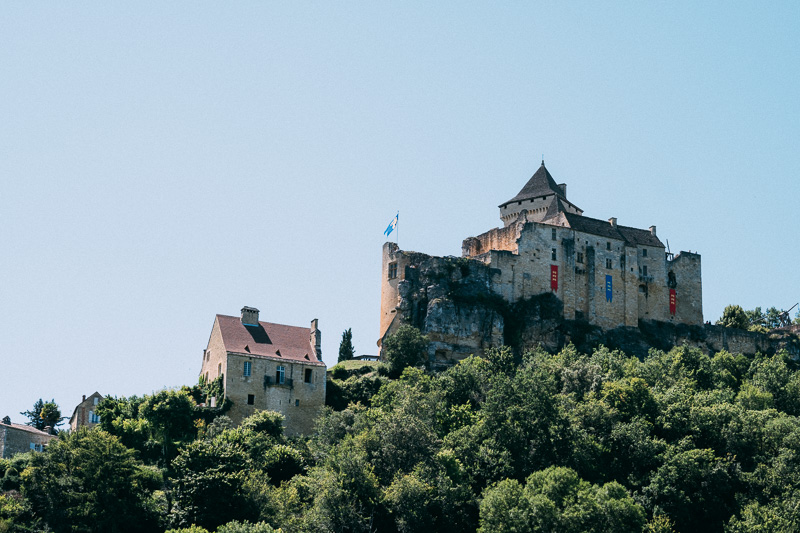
470	304
524	253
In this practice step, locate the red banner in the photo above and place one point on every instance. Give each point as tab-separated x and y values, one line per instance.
554	277
672	301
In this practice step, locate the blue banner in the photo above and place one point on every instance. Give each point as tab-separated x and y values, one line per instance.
609	288
392	224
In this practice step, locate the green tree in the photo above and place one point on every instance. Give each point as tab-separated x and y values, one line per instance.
734	317
44	414
406	347
209	485
269	423
89	482
346	493
695	489
170	414
556	499
346	349
246	527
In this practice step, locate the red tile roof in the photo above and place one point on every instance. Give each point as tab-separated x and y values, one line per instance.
275	341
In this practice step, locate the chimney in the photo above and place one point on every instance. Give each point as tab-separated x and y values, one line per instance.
316	340
563	187
653	231
7	420
613	222
84	398
249	316
48	430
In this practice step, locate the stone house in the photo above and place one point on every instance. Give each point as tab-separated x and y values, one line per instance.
84	414
601	272
19	438
266	366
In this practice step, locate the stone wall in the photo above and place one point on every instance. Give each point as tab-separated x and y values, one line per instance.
470	305
299	401
15	438
523	254
82	416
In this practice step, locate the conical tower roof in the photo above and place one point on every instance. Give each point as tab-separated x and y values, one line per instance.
540	184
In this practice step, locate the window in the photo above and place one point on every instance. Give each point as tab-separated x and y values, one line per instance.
644	252
297	403
96	399
553	254
93	418
554	233
251	399
308	375
644	270
608	246
608	263
580	257
247	367
280	375
392	270
219	369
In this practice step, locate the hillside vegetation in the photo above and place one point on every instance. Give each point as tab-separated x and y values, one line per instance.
571	442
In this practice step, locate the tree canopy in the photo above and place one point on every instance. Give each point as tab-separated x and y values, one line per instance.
680	440
44	414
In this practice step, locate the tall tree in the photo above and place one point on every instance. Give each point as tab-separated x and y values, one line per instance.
44	414
346	349
90	482
734	317
406	347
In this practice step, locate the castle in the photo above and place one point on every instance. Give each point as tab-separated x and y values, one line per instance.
599	272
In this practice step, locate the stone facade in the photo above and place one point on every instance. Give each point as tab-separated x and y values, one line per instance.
19	438
267	366
84	414
599	272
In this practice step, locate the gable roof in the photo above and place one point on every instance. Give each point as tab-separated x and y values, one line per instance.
540	184
274	341
602	228
25	427
75	411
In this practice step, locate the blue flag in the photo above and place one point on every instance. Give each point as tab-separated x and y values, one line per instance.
609	288
392	225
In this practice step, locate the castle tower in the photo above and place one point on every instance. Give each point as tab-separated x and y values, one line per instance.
539	195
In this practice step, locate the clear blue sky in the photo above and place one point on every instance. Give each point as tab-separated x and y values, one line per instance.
163	162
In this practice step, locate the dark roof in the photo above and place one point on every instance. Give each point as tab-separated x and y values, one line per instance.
540	184
23	427
275	341
603	228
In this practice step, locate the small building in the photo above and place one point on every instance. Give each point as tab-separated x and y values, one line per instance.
19	438
366	357
85	414
266	366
